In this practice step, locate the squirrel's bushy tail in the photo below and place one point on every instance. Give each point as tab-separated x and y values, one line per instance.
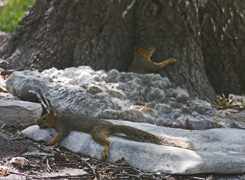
136	134
143	136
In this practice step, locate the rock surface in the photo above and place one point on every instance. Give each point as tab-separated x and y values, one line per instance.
18	113
3	35
2	84
113	95
218	150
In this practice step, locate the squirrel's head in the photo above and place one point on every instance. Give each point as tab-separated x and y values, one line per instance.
146	53
47	120
150	51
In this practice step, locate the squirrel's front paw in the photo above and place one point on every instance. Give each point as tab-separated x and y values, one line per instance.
172	60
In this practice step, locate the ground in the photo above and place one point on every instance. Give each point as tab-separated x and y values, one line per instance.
47	162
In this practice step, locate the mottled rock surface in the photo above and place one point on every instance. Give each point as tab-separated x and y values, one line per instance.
113	95
18	113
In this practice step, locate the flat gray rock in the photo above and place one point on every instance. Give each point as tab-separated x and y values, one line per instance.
18	113
220	150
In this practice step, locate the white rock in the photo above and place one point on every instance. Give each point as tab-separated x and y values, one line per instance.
117	95
218	150
2	83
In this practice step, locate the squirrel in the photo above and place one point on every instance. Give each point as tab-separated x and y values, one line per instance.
143	64
99	130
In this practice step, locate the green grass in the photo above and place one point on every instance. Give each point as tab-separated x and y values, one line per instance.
12	12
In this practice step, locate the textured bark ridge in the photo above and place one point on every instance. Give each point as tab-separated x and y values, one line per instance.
63	33
102	34
222	35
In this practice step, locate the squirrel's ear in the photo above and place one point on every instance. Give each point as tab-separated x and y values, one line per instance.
52	112
142	52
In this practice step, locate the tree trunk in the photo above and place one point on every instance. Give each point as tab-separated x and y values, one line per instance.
64	33
102	34
223	42
173	26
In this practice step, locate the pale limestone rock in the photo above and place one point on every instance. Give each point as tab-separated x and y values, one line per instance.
135	97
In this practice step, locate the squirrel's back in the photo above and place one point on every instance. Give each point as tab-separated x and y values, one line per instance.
80	122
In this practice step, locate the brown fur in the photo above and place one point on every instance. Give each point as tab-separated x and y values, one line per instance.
143	64
99	130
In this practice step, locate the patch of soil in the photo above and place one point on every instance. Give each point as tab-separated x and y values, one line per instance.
45	162
13	147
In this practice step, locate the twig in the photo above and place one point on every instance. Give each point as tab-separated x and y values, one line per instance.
22	174
48	167
85	176
89	165
43	148
93	169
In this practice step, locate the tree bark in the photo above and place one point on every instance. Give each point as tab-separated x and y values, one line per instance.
63	33
173	26
223	44
102	34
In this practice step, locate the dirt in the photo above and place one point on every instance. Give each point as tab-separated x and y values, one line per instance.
45	162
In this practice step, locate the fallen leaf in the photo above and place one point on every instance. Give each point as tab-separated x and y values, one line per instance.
4	171
121	162
21	161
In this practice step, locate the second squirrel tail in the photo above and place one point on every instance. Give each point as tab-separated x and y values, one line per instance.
143	136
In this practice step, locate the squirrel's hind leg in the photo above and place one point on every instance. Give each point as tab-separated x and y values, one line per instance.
101	138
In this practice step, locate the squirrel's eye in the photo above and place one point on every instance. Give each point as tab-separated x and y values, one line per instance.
150	49
44	119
